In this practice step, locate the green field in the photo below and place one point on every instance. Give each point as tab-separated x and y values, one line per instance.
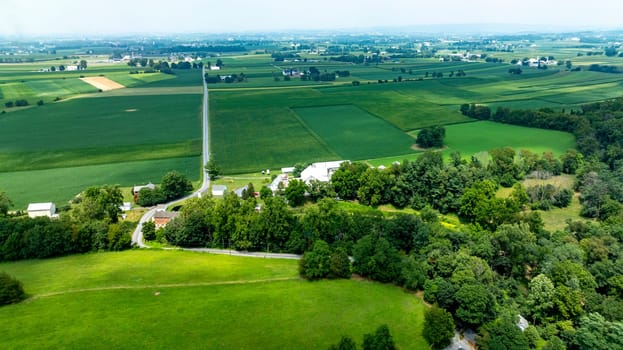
127	136
59	185
169	299
353	133
471	138
255	128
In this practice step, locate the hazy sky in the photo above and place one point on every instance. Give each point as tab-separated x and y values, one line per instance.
24	17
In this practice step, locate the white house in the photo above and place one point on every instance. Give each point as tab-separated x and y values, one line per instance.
71	68
41	209
320	171
218	190
280	179
288	170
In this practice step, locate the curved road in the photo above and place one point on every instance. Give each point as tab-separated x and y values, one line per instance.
137	236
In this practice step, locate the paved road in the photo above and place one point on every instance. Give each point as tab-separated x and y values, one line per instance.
247	254
137	236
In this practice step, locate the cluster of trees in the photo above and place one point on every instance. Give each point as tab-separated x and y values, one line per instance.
431	137
544	197
381	339
91	224
460	73
162	66
314	74
473	110
323	262
349	58
11	290
173	185
603	68
232	78
282	56
17	103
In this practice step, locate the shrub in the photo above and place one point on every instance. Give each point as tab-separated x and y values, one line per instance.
11	290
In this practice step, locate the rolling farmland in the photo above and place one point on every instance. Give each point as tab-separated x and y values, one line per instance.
180	299
126	136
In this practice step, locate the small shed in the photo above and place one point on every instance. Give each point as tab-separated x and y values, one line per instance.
218	190
41	209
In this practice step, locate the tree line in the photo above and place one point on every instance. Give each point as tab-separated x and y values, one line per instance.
90	224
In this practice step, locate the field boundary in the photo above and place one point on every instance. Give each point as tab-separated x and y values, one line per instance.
155	286
312	132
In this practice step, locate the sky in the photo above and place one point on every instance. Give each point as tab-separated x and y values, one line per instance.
71	17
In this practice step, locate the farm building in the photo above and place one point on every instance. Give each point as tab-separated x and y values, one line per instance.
126	206
137	189
41	209
320	171
281	179
219	190
162	218
288	170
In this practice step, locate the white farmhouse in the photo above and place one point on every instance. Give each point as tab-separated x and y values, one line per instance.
41	209
320	171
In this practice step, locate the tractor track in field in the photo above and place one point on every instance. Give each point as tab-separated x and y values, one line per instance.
162	286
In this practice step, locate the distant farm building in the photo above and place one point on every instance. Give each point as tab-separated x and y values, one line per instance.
292	72
72	68
218	190
41	209
320	171
288	170
162	218
137	189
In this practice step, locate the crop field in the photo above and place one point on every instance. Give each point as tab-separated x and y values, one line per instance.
353	133
255	126
59	185
181	299
110	129
127	136
471	138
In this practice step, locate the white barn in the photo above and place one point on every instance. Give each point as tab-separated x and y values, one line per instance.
41	209
218	190
320	171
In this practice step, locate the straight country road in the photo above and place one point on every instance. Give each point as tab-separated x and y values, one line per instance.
137	236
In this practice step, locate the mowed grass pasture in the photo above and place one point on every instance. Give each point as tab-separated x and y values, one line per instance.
173	299
472	138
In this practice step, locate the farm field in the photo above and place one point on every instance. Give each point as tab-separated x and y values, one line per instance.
255	128
126	136
59	185
181	299
353	133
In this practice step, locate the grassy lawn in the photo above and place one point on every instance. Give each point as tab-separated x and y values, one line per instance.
352	133
202	309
